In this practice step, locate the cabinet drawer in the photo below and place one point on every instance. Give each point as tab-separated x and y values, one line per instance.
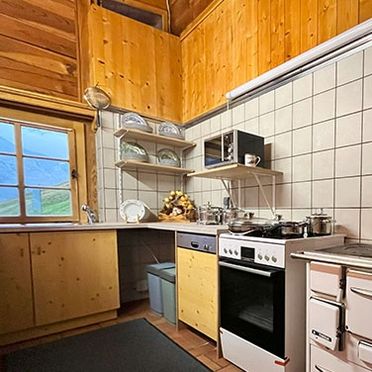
325	278
323	361
359	303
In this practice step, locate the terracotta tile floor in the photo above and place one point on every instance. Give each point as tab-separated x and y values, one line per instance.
197	345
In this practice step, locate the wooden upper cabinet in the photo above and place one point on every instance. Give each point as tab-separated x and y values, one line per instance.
75	274
16	306
240	39
138	65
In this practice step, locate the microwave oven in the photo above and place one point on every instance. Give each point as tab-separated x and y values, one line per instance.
230	148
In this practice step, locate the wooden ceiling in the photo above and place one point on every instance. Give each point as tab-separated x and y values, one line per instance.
183	12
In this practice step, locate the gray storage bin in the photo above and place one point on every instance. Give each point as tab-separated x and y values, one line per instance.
155	293
168	278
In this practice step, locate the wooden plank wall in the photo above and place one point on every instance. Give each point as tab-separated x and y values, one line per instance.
38	46
139	65
241	39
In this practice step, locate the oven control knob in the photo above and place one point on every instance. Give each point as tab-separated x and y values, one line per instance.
236	252
225	250
267	258
274	259
260	257
230	251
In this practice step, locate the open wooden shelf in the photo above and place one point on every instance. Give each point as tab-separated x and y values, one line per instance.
154	138
234	172
156	168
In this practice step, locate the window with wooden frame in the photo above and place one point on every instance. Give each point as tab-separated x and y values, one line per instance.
39	170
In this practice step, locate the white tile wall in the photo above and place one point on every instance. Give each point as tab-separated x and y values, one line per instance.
319	128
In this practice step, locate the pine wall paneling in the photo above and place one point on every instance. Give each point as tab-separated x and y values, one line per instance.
245	38
140	66
38	46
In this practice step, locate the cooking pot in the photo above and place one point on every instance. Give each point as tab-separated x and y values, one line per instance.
290	229
248	225
320	223
208	215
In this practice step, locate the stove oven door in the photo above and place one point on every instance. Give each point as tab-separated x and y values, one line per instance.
252	303
359	303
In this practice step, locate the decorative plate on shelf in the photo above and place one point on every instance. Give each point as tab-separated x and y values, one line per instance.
168	129
131	120
168	157
133	151
132	210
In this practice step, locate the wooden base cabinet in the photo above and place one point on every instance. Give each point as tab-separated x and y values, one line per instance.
16	307
197	290
74	273
53	281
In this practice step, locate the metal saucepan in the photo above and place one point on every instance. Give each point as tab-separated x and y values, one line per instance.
290	229
98	100
320	223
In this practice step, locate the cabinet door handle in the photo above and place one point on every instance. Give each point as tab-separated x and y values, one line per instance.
22	252
361	292
321	369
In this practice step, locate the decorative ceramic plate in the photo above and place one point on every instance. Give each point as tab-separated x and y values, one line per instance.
168	129
132	120
133	151
168	157
132	210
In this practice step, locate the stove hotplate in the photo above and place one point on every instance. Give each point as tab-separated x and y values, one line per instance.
354	250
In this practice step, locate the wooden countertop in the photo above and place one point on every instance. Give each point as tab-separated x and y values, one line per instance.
191	227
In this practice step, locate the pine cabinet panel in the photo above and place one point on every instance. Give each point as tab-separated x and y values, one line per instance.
197	290
138	65
16	307
75	274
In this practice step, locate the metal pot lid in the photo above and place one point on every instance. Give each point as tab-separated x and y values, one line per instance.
248	222
319	214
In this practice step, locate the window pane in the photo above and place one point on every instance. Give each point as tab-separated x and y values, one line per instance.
9	201
40	172
41	142
8	170
44	202
7	142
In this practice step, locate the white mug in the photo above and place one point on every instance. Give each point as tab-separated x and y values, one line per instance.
251	160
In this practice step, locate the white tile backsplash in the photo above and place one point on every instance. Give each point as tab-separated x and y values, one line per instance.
283	95
251	109
325	78
367	191
349	98
303	113
367	158
350	68
323	194
283	145
367	95
302	141
347	192
348	160
283	119
319	137
303	87
367	126
324	135
349	130
323	164
368	61
266	102
302	168
324	106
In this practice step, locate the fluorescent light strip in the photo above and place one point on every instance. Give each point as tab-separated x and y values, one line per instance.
351	38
